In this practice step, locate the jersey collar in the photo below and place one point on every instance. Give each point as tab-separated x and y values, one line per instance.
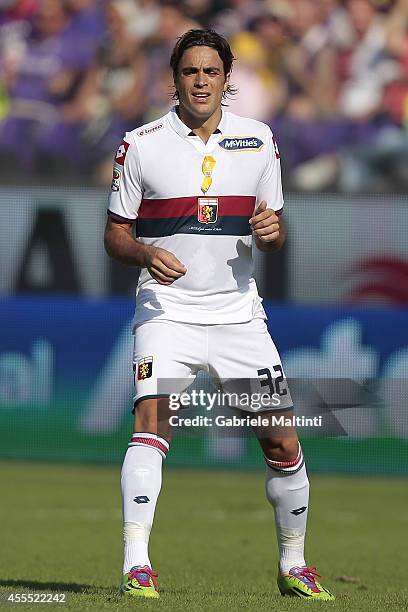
184	131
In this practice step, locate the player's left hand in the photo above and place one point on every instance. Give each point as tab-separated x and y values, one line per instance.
265	223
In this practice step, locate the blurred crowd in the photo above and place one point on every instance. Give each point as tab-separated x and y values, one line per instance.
329	76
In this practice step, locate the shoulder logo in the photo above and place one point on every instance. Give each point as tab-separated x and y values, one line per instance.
150	130
250	143
116	179
121	153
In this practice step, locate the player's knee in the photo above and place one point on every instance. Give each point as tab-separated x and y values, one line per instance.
281	449
152	416
146	416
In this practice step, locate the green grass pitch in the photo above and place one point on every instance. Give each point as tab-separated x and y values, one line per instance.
213	542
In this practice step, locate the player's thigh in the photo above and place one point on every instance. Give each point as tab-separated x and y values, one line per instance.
244	358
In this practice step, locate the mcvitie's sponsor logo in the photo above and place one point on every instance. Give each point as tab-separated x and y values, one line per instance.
241	144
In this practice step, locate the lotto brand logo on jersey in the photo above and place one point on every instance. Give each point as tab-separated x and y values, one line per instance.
241	144
121	153
207	210
150	130
144	368
116	179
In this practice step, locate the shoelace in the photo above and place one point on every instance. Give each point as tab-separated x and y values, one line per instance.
309	573
144	570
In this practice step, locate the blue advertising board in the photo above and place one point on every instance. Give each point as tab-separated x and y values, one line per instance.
66	380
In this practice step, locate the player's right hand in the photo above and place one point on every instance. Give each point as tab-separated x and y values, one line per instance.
163	266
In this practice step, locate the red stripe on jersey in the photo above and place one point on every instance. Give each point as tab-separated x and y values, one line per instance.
150	442
228	206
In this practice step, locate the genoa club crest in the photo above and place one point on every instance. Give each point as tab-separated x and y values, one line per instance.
207	210
144	368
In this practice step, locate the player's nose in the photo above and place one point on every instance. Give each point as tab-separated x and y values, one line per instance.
200	80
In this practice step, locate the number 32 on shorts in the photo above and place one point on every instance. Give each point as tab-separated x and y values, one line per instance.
273	382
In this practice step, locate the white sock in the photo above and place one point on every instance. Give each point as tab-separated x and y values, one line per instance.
287	489
140	483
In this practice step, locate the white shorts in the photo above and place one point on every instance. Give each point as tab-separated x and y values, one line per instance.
239	358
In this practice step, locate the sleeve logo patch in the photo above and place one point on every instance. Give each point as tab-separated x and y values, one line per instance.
144	368
116	179
121	153
150	130
241	144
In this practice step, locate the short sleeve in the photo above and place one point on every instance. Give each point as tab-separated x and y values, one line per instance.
127	188
270	185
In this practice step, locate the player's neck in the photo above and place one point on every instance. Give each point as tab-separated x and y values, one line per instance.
202	128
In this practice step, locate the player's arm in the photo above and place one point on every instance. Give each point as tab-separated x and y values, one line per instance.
120	244
124	201
266	222
268	228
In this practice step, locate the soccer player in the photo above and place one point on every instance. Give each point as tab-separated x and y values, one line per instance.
190	192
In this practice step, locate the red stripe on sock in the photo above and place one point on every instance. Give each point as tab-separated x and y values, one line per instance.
285	464
150	442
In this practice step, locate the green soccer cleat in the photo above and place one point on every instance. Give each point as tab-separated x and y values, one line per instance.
301	582
141	581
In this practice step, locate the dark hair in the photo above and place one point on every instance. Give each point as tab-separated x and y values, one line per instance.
203	38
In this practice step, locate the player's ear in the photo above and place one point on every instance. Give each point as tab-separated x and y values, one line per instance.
175	84
226	84
175	94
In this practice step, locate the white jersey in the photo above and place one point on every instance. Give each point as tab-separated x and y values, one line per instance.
195	200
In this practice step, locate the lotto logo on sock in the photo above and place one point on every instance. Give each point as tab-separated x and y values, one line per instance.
298	511
141	499
144	368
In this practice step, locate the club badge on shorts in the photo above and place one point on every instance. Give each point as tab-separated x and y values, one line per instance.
207	210
144	368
